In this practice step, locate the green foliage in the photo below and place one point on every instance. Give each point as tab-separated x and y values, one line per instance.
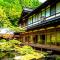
3	40
8	45
10	11
12	48
25	50
30	3
7	48
28	53
15	42
17	29
35	56
2	55
58	58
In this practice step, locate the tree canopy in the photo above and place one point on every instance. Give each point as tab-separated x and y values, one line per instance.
10	11
30	3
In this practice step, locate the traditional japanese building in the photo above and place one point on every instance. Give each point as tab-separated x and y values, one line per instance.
42	25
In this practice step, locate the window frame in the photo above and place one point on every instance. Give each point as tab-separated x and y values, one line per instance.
49	11
51	6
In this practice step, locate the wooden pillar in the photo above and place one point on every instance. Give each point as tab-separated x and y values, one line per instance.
31	37
45	35
24	39
39	38
50	38
55	36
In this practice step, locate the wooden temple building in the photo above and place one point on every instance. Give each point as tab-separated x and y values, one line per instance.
42	26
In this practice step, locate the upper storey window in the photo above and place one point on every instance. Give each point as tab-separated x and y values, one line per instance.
34	18
43	13
39	16
58	7
30	20
53	9
48	11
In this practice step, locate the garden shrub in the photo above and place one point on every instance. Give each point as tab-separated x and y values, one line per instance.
2	40
11	48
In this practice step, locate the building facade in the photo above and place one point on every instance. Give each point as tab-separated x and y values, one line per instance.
42	24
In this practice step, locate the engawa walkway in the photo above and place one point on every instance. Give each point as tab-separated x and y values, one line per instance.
51	47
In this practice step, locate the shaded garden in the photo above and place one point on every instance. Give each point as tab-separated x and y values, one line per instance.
12	50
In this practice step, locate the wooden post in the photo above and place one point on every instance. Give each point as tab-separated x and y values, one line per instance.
50	39
55	36
24	39
45	36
